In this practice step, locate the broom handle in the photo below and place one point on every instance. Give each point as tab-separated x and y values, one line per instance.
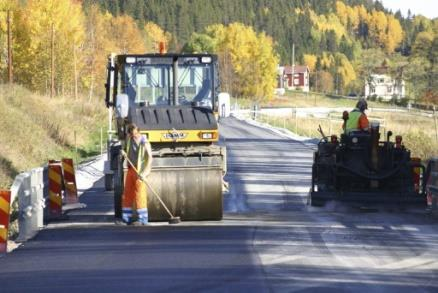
147	183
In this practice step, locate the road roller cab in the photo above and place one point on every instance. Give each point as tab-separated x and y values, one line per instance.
172	98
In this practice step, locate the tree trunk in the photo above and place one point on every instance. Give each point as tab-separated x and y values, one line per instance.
52	59
10	70
75	72
91	87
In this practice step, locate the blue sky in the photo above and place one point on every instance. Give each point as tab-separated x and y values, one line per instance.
428	8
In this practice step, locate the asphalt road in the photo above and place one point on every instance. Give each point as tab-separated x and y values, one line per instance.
268	241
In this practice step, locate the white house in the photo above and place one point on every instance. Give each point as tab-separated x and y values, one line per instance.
385	87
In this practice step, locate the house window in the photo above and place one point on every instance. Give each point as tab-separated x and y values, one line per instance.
381	80
389	89
296	81
373	90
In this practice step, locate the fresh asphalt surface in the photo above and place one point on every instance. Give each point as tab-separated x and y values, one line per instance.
268	241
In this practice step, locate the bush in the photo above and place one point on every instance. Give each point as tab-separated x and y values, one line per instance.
372	98
403	102
420	144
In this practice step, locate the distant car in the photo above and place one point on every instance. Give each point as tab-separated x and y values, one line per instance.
353	95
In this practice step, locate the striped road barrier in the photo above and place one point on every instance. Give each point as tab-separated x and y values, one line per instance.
5	206
71	191
55	188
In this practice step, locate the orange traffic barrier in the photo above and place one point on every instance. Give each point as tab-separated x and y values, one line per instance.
55	188
71	192
5	205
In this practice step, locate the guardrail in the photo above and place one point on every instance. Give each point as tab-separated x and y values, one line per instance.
28	189
31	190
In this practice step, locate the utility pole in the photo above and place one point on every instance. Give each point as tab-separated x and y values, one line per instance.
293	66
10	71
52	57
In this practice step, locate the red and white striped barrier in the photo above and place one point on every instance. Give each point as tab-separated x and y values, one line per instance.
5	206
55	188
71	191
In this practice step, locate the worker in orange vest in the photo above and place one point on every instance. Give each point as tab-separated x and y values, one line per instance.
139	153
357	119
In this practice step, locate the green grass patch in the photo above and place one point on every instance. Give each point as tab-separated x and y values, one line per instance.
36	128
302	100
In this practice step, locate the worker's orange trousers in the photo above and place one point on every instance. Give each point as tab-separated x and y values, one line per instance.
134	197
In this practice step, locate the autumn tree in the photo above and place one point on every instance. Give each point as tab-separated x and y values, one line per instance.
247	59
96	48
325	82
344	71
394	34
49	30
11	8
252	57
425	52
126	36
154	35
310	61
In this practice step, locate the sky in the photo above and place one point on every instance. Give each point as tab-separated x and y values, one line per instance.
428	8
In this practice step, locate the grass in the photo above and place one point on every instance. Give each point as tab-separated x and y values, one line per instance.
419	132
35	128
304	100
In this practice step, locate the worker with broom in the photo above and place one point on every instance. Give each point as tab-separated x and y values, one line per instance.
139	156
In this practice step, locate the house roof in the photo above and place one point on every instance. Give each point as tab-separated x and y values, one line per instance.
297	69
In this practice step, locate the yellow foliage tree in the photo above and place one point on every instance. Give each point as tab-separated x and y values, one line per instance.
310	61
345	69
126	36
342	12
394	34
385	30
251	56
327	60
40	24
328	22
97	47
12	7
377	26
154	35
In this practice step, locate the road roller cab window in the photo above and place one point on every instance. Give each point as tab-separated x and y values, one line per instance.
149	81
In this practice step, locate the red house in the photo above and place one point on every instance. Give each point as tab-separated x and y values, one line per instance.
297	77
